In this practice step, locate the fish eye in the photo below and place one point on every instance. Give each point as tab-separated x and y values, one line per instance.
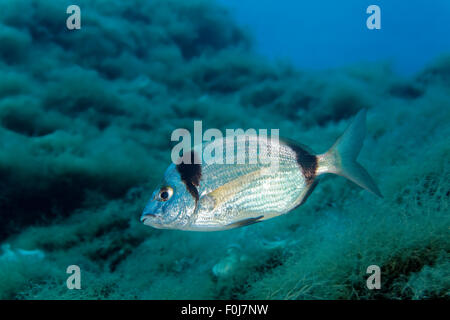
165	193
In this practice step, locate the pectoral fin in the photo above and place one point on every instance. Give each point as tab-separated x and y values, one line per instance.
231	188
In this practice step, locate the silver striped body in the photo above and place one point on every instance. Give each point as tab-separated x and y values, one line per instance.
230	193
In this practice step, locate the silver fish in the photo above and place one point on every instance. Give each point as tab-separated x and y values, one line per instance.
212	197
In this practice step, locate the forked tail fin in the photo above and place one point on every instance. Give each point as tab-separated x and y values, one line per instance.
341	158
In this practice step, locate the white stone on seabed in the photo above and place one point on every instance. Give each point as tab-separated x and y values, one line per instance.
234	257
229	263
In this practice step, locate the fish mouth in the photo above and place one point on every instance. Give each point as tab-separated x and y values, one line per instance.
146	218
153	220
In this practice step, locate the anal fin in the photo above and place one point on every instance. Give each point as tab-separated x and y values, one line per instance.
244	222
307	194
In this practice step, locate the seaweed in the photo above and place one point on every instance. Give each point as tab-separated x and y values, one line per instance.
85	124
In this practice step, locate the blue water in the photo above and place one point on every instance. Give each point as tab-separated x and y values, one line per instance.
327	34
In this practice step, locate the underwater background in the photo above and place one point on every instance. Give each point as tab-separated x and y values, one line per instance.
85	123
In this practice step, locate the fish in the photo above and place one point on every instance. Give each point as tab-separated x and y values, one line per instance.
195	196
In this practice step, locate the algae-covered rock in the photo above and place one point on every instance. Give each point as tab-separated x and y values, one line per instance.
85	123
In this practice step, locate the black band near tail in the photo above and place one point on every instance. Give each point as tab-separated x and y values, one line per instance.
306	161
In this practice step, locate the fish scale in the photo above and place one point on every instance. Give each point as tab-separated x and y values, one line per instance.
270	193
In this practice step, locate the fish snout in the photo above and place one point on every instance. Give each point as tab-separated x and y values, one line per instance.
147	216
